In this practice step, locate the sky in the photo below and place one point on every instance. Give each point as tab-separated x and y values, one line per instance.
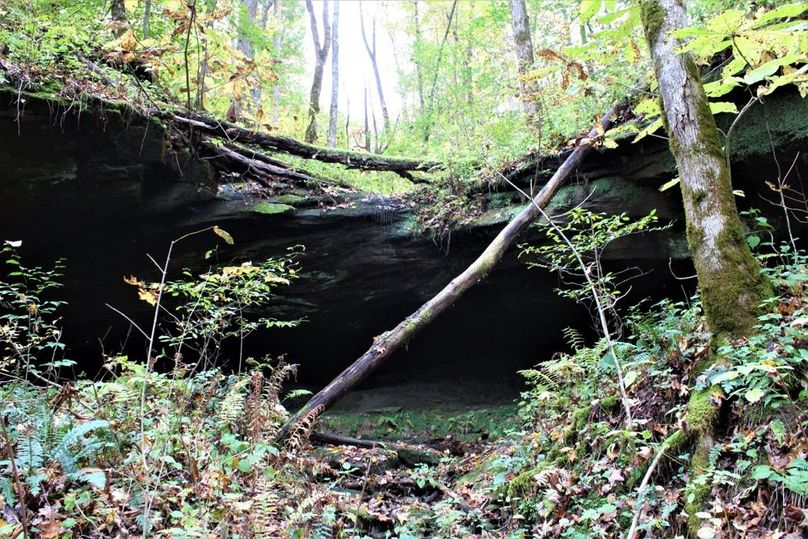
356	70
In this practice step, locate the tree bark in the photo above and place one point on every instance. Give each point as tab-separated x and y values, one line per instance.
371	48
245	46
367	123
320	56
387	343
529	88
731	284
146	17
730	281
332	116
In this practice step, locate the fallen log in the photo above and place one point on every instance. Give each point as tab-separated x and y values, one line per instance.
385	344
257	165
364	161
406	453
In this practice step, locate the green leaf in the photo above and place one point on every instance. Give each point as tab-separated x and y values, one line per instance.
648	107
752	241
770	68
721	87
754	394
671	183
587	9
92	476
782	12
762	471
648	130
722	106
630	378
724	377
727	22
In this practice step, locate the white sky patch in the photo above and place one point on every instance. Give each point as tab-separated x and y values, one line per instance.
356	70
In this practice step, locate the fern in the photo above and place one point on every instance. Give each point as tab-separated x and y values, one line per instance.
63	452
303	428
265	506
7	490
323	529
306	510
232	407
574	338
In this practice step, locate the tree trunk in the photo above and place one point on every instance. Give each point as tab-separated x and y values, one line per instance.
320	56
277	42
418	71
233	133
204	64
731	284
245	46
367	123
730	281
371	48
529	89
332	116
117	11
387	343
146	17
436	72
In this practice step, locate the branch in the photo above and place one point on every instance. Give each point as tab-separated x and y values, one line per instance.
234	133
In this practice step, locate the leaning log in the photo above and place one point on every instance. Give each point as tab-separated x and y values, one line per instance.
384	345
357	160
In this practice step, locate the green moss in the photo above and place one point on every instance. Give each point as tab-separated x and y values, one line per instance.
522	484
779	122
701	412
580	417
698	491
289	199
270	208
610	402
653	18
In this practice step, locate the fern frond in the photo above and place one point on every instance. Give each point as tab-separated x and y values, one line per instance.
574	338
303	428
63	452
232	407
265	508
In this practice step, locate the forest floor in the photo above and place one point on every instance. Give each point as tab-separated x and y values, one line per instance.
104	459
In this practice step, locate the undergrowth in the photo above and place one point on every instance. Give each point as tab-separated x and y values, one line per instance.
187	451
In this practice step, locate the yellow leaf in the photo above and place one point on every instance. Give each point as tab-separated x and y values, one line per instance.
148	296
228	239
134	281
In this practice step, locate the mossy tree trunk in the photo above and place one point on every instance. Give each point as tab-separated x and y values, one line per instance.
730	281
731	284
